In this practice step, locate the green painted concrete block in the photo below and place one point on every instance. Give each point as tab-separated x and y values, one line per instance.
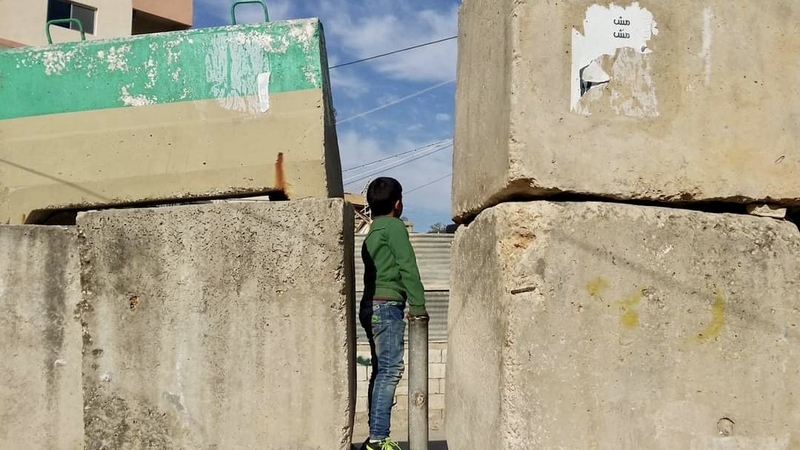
226	63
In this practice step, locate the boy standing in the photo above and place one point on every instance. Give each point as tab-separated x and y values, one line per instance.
391	279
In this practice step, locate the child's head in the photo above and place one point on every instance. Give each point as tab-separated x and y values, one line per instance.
385	197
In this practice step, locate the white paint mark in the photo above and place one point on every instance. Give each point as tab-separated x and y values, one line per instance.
263	91
231	62
55	61
665	251
303	33
708	34
152	74
633	93
607	31
116	58
59	363
135	100
172	54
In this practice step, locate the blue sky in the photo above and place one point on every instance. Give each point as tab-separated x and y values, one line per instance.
357	29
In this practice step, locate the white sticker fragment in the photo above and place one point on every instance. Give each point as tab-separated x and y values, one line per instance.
263	91
612	31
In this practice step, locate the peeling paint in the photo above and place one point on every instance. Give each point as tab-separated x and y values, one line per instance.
609	63
135	100
116	58
227	67
201	64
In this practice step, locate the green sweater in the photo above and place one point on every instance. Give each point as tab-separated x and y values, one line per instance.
390	266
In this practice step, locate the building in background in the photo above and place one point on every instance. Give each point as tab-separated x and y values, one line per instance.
22	22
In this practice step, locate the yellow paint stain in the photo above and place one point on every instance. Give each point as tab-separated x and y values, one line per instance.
714	328
630	319
630	316
596	286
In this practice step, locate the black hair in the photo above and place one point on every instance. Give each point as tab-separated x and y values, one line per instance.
382	194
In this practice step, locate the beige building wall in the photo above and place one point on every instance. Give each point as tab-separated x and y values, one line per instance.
22	22
179	11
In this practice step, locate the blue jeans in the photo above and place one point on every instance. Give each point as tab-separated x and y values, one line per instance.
385	327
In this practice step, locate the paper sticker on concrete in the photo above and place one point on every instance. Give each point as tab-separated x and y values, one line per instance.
610	68
263	91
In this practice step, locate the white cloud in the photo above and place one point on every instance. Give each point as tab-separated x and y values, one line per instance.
356	150
442	117
348	83
220	11
387	26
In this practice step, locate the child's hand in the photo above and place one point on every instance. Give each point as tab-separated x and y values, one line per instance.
418	313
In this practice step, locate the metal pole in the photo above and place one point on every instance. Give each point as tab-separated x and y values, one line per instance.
418	383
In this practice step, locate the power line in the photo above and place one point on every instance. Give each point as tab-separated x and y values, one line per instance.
351	181
392	52
400	100
432	144
428	184
394	164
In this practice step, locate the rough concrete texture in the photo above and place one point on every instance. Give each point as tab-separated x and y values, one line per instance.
223	326
766	211
610	326
197	114
677	107
41	406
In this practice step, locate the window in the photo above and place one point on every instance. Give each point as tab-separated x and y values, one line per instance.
61	9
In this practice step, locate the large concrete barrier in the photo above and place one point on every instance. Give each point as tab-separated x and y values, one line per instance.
241	110
610	326
223	326
41	406
662	101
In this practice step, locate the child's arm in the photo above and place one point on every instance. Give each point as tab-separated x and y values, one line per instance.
397	237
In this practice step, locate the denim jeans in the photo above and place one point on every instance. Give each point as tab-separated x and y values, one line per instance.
385	327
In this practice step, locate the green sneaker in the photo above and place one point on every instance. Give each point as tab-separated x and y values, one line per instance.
386	444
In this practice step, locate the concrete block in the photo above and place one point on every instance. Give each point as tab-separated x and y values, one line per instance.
437	370
219	326
675	108
362	404
436	401
41	405
402	403
204	113
597	325
362	389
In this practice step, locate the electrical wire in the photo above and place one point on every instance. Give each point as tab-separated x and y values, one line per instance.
394	52
396	155
428	184
395	165
400	100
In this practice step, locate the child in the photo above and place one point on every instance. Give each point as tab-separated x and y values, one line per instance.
391	278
